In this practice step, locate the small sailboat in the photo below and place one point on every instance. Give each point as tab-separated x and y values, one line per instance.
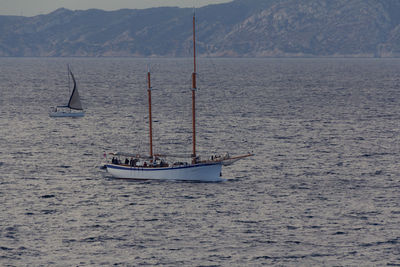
74	106
156	167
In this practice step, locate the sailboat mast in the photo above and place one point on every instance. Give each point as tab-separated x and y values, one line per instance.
150	118
194	87
69	83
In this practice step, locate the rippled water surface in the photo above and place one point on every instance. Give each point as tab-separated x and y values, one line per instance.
323	188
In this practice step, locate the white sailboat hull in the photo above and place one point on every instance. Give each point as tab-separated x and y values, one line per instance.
66	114
197	172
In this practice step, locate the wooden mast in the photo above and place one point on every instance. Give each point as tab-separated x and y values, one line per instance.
150	118
194	87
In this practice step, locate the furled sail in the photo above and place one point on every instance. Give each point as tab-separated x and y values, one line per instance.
74	100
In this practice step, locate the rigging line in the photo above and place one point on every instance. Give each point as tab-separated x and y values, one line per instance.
137	107
181	125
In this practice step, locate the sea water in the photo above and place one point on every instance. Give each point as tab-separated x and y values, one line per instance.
322	189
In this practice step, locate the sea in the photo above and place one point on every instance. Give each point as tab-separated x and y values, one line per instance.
322	189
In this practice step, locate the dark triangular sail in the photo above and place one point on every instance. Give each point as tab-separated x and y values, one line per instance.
74	100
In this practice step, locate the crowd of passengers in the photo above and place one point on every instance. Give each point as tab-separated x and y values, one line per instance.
134	163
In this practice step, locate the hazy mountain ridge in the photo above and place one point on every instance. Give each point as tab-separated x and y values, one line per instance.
251	28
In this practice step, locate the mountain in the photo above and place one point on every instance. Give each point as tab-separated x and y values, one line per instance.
241	28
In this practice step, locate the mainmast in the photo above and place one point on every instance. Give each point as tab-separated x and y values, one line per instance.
194	87
150	118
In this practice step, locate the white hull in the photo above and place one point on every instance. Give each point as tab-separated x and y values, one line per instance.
67	114
197	172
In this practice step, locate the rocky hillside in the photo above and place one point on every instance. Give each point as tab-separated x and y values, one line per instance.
242	28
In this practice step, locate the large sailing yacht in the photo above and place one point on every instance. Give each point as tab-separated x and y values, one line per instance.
156	167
